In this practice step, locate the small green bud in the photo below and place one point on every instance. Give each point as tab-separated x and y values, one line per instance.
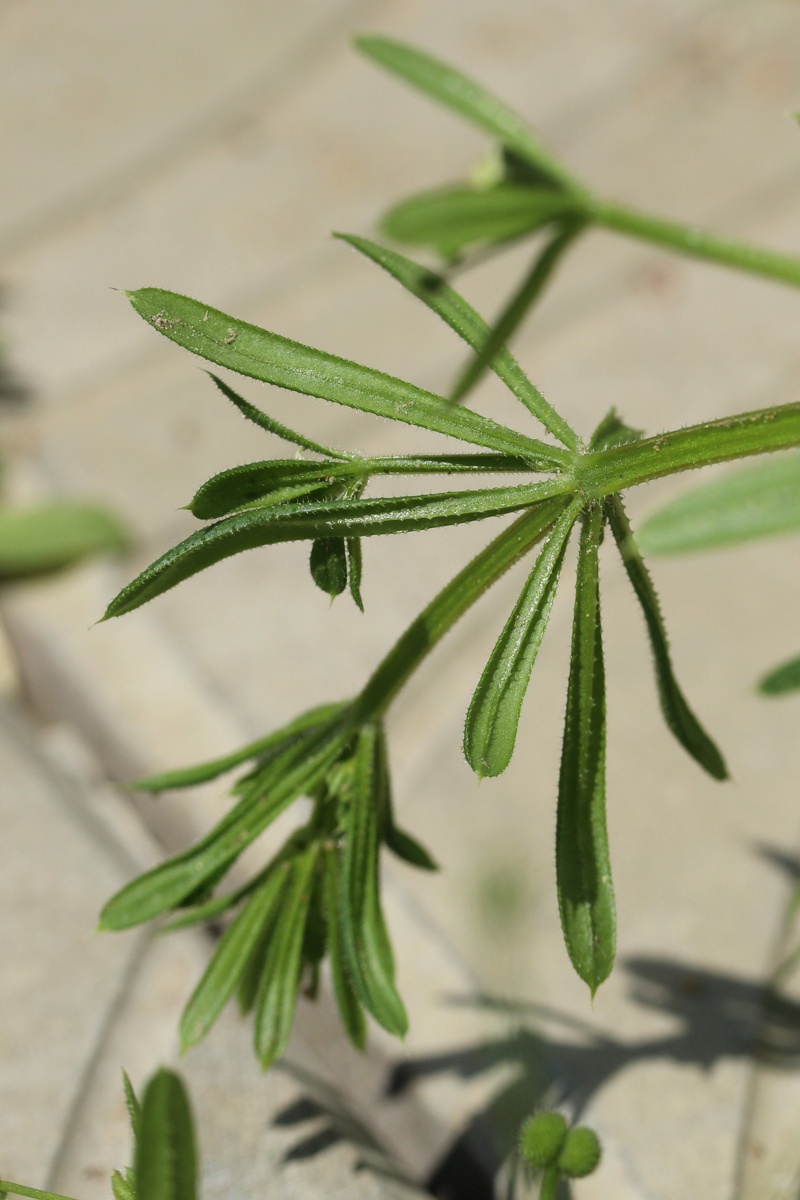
580	1153
541	1138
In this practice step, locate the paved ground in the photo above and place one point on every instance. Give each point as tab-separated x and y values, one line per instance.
210	147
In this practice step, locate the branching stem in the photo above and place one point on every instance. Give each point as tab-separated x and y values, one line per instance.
687	239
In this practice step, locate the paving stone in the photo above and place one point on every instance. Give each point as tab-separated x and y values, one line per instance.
92	101
60	981
353	138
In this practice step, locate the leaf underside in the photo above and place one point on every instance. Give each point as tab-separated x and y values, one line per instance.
583	867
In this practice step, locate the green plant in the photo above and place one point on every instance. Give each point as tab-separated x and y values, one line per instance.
45	538
164	1152
548	1145
320	895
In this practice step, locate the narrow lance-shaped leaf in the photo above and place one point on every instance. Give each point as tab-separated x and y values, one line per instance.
677	713
785	678
133	1106
260	481
206	911
230	957
298	769
338	518
454	218
455	90
277	481
521	302
166	1156
493	716
270	425
748	502
399	841
355	570
347	1001
256	353
366	941
454	310
262	748
583	867
280	980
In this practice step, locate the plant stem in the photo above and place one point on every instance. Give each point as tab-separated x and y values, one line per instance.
601	473
18	1189
452	602
549	1184
687	239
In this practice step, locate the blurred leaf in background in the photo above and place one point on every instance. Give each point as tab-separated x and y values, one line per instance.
745	503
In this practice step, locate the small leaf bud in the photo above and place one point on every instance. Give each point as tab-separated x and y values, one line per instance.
580	1153
542	1138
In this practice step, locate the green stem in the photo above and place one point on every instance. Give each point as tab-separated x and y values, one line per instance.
18	1189
549	1184
687	239
598	474
451	603
601	473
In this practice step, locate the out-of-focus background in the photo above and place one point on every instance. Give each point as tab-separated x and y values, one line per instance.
209	147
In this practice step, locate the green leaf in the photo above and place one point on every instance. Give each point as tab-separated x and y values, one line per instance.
328	563
748	502
337	518
133	1106
270	425
278	481
273	359
677	713
45	539
347	1001
256	483
462	318
521	302
230	957
492	720
451	219
399	841
366	941
583	868
166	1157
208	910
785	678
355	570
456	91
407	848
297	770
280	979
121	1187
264	748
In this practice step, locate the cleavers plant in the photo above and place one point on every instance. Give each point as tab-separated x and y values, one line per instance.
320	895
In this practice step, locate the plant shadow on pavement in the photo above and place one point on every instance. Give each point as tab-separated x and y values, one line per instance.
717	1016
